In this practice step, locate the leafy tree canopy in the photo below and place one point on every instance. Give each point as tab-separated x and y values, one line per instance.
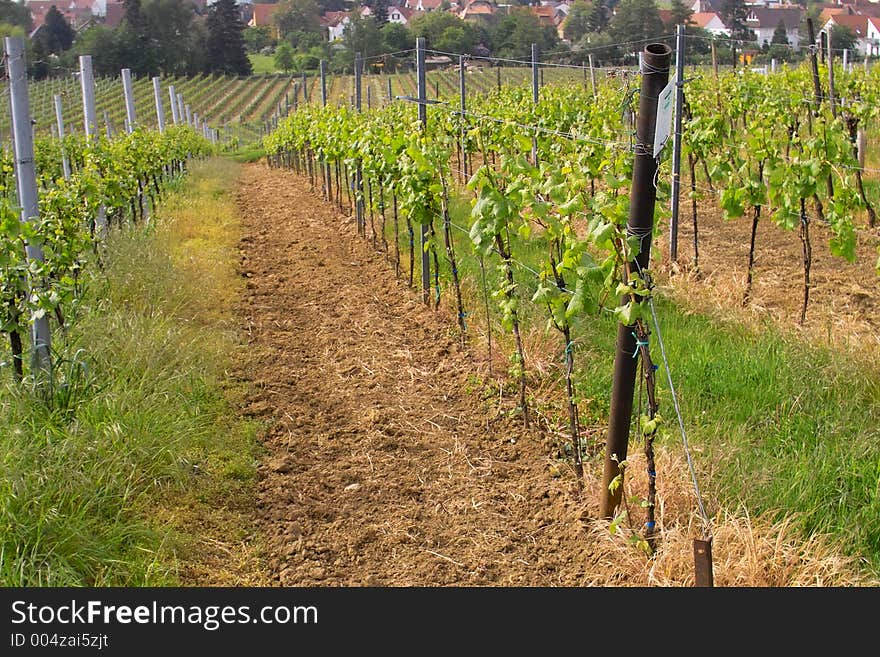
636	20
395	38
577	23
257	38
16	14
297	16
284	57
842	38
733	13
515	33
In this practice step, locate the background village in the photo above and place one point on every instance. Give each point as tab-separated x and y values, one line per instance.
295	35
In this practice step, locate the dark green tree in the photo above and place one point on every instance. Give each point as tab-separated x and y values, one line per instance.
297	16
779	46
395	37
842	38
158	36
577	23
379	9
636	20
433	24
38	64
15	13
779	35
284	57
134	17
361	35
134	48
515	33
679	13
733	13
102	44
225	49
599	16
331	5
456	39
175	37
257	38
56	35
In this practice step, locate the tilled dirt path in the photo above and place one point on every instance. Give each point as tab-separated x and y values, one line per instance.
386	467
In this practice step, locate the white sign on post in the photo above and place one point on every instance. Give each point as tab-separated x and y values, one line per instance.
663	128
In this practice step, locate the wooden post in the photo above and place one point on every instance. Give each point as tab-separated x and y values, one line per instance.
592	75
714	61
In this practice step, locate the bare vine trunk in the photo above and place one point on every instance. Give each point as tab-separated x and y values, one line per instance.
808	258
510	292
755	216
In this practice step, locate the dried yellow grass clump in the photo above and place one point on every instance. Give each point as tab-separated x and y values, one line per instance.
747	552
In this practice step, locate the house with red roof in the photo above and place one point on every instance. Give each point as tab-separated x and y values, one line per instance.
78	13
262	14
851	7
39	9
546	15
402	15
711	22
829	10
865	28
475	11
113	14
425	5
706	6
334	22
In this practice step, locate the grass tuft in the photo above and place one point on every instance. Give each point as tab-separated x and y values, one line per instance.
95	487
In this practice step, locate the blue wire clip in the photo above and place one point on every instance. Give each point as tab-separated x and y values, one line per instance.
639	343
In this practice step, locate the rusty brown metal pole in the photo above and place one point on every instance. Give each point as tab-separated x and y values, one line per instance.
643	195
703	563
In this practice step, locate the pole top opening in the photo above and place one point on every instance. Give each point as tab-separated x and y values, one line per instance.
658	49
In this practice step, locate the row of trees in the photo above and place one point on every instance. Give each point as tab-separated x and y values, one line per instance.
302	40
592	26
155	37
599	25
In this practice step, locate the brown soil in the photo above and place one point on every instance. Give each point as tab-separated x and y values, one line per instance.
386	466
390	464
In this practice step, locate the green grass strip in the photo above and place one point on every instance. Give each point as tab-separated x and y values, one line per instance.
92	483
